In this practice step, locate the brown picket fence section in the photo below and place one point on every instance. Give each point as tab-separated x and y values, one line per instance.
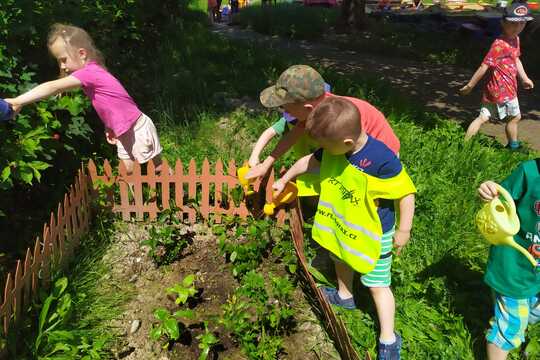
208	192
141	196
61	235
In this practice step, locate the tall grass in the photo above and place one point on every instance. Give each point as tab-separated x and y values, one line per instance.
289	20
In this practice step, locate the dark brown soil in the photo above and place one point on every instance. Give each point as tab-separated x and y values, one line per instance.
130	263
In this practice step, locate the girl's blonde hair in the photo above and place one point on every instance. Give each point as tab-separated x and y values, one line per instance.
75	38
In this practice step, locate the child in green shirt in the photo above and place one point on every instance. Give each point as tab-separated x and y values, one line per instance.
515	282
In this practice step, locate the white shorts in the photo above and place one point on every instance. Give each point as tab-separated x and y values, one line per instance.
140	143
501	111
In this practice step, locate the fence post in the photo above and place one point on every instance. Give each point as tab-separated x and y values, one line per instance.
165	184
192	189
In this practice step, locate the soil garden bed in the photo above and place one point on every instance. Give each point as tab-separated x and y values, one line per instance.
257	314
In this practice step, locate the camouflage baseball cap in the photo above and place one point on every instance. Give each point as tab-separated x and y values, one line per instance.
296	84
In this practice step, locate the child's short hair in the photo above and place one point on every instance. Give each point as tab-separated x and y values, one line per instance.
74	37
334	118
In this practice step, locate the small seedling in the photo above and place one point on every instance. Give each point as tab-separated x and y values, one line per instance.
168	324
183	290
206	342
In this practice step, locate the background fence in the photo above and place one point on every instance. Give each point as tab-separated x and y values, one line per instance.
142	195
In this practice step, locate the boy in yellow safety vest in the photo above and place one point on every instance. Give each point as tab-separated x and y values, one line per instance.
360	179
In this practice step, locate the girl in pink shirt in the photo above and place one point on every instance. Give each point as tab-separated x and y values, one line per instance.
81	65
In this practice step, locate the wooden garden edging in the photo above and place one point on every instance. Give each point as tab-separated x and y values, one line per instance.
144	195
61	235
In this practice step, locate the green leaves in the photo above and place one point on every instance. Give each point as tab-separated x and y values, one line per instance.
183	291
206	341
168	326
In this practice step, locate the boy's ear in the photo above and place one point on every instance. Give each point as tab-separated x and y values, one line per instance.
309	106
348	142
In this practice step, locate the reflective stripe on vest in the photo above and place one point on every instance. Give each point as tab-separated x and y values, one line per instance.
349	224
343	245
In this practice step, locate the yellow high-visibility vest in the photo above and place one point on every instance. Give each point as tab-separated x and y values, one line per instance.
347	223
308	184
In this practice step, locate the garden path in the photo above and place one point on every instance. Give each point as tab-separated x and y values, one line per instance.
431	85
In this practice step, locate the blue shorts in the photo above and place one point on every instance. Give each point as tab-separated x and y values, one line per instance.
511	319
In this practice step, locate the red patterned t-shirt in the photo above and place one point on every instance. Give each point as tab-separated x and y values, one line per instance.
502	81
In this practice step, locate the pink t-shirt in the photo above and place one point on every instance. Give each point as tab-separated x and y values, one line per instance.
374	123
113	104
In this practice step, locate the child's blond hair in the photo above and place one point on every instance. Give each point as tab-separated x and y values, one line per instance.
334	119
75	38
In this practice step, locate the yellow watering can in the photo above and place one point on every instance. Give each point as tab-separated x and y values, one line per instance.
498	223
246	183
288	194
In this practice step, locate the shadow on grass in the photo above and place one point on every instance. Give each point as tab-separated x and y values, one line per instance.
467	293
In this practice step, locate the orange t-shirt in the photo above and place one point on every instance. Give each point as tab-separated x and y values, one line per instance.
374	123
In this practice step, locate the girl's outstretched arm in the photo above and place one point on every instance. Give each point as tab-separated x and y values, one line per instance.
43	91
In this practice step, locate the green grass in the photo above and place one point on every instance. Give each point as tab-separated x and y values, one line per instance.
96	300
289	20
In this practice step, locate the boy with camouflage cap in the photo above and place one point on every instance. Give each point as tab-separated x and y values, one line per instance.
298	90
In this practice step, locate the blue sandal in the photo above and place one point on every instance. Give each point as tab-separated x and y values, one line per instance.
333	298
391	351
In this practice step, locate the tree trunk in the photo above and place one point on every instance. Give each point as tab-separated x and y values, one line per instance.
352	12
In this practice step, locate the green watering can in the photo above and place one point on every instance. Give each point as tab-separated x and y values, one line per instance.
498	223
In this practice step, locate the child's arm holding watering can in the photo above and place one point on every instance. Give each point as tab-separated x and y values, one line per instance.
307	164
281	148
406	214
265	137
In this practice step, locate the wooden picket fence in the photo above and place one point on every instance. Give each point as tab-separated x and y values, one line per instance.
141	196
61	235
207	193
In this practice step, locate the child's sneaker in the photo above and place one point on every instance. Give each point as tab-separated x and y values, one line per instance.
513	145
390	351
333	298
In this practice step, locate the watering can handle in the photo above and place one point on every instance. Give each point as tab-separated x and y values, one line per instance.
509	202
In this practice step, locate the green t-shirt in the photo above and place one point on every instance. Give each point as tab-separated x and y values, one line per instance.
509	272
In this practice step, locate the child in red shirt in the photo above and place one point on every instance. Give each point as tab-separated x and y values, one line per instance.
499	99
